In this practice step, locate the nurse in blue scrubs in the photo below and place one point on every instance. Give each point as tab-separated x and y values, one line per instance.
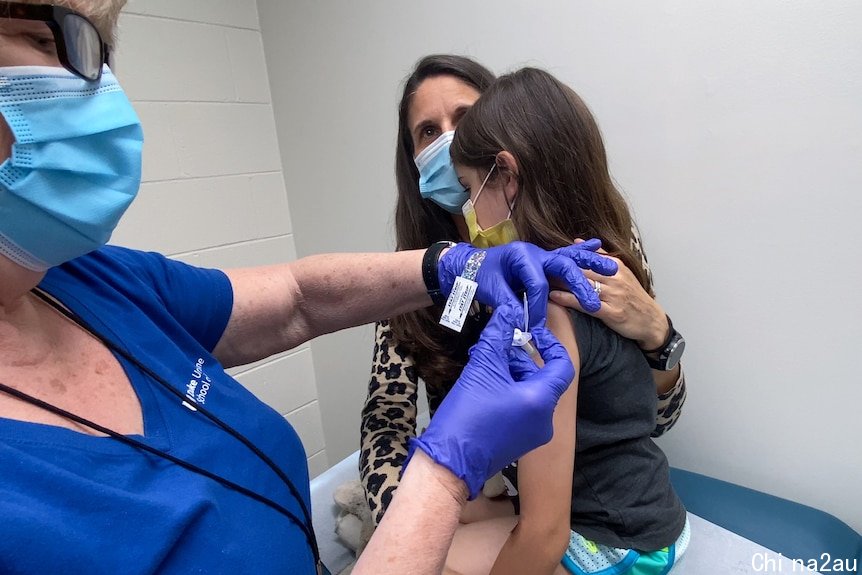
124	445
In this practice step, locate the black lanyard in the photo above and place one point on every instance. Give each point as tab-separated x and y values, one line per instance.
305	525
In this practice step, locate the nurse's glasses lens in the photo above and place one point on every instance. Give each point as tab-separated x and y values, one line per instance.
83	46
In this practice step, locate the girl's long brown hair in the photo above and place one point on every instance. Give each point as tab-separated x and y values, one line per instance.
565	189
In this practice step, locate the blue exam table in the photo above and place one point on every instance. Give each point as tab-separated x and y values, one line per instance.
792	529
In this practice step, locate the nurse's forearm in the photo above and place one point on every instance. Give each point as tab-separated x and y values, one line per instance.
342	290
417	530
278	307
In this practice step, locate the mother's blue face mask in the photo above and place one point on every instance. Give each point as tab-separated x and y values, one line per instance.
438	180
75	165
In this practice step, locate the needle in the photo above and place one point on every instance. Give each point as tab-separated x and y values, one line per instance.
523	339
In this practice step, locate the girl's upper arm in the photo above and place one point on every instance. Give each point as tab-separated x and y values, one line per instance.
539	540
545	474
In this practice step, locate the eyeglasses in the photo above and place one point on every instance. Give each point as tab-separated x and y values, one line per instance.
79	45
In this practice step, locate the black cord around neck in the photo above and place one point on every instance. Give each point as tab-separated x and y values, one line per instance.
306	526
149	449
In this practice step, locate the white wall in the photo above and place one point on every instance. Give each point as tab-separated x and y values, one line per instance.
735	129
213	192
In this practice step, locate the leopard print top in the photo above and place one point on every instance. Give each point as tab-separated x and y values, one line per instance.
389	414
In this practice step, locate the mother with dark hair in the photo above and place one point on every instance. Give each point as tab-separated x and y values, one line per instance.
438	92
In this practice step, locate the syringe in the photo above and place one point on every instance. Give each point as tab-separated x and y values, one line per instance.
524	339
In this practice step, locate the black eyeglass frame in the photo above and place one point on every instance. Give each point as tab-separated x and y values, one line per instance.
53	16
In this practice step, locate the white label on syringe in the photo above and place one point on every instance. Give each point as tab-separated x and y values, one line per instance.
458	304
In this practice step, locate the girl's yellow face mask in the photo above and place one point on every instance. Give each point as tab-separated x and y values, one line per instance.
498	234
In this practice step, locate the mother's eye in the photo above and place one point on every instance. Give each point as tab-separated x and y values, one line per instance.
429	132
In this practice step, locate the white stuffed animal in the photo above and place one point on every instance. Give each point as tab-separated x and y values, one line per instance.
353	525
495	486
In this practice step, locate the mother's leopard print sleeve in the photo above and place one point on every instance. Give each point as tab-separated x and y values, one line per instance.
670	403
388	420
389	414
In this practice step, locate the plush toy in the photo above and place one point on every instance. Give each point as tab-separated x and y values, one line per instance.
494	486
353	525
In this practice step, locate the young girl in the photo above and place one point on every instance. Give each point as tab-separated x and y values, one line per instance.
599	494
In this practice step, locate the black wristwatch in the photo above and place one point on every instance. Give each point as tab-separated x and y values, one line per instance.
429	271
669	353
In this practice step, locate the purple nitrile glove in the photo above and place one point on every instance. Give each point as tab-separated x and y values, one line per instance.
491	418
521	266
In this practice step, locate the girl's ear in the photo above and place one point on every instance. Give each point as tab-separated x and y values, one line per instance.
507	165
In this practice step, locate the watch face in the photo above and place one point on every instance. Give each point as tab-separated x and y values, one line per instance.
674	354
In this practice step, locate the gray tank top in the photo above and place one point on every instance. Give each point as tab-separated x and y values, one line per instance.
621	491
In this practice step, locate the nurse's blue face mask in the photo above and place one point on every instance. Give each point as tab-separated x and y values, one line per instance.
75	165
438	180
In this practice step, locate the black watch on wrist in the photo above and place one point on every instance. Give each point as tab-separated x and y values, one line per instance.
669	353
429	271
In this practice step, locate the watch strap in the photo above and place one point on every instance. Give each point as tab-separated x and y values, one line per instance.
663	346
668	348
429	271
660	364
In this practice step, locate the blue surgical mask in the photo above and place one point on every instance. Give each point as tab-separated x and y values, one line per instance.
438	180
75	165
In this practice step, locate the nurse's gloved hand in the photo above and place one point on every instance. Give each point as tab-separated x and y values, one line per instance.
490	417
519	266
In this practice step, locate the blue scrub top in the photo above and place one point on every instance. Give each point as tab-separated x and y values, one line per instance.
76	503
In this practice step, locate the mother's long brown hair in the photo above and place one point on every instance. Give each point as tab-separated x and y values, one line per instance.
565	189
440	353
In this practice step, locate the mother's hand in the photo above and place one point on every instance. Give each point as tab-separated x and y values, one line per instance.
626	307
